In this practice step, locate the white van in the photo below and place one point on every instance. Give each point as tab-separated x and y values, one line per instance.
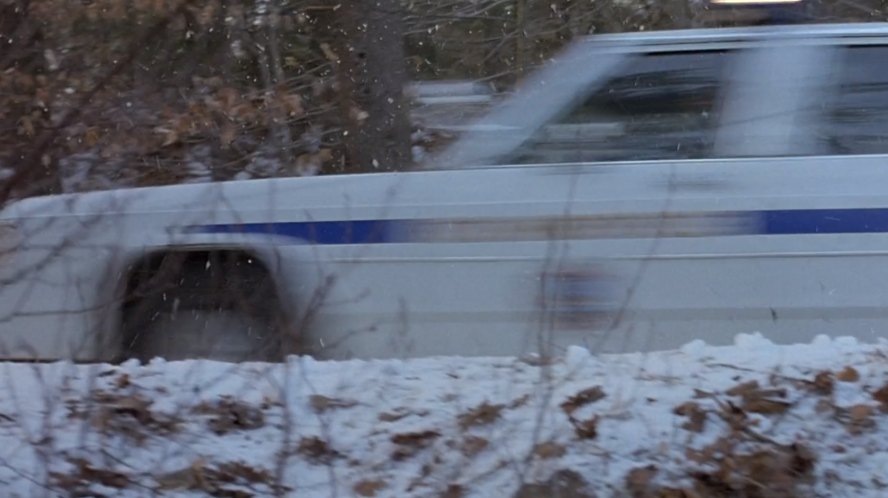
641	191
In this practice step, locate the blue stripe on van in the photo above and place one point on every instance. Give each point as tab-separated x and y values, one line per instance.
770	222
812	221
315	232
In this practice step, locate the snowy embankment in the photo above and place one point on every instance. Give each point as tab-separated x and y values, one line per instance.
754	420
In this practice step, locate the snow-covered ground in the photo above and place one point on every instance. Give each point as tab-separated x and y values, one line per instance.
753	419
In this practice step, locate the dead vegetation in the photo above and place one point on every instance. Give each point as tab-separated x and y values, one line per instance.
729	442
224	480
563	484
408	444
316	450
84	475
129	415
226	415
483	414
742	460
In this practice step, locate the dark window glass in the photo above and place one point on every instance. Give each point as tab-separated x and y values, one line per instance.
660	106
858	117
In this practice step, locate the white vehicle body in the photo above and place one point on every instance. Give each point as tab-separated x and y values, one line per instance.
769	229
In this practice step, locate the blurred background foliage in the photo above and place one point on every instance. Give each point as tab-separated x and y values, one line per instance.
98	94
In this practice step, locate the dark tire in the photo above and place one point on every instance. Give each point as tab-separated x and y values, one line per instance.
210	305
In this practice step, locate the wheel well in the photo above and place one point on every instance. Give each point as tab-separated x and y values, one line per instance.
167	281
158	271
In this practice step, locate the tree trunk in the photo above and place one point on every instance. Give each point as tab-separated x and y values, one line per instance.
521	38
367	40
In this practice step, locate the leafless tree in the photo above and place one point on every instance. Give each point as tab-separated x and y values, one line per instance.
366	42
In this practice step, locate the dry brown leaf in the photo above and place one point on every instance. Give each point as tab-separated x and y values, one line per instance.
229	415
170	137
824	382
190	477
368	487
803	459
585	429
639	481
858	412
483	414
316	449
699	394
321	403
519	402
292	104
213	480
848	374
734	416
26	126
758	400
227	98
239	471
582	398
391	416
549	450
243	112
324	155
130	415
82	480
743	388
105	477
882	397
696	416
453	491
123	381
781	470
472	445
91	137
858	418
410	443
329	53
420	438
227	134
765	406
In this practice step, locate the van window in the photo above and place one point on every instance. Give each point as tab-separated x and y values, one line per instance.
659	106
858	114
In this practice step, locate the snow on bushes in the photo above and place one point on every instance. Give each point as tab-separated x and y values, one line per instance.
753	420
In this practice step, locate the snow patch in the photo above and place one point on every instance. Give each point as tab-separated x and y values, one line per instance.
482	426
694	349
576	356
752	342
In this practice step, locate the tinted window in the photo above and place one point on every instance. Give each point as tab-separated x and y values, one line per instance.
660	106
858	117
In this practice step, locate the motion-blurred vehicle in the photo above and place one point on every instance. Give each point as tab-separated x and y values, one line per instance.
641	191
